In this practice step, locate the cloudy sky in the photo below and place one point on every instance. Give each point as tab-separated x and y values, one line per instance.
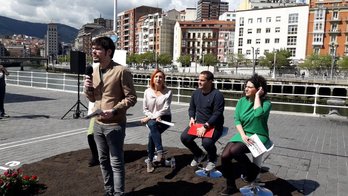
75	13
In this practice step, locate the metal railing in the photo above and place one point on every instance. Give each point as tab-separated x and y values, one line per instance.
313	102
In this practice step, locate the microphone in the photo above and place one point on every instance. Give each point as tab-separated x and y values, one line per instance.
89	72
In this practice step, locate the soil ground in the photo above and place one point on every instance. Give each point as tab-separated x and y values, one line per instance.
68	174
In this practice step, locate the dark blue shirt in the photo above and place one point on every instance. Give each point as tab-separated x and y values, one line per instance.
208	107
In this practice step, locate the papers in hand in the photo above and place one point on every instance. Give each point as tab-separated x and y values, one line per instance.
93	114
257	148
166	123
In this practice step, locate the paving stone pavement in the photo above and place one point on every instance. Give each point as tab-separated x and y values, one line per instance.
311	152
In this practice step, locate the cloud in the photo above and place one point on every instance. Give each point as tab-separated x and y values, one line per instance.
75	13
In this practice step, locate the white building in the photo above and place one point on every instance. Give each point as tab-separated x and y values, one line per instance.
155	33
228	16
188	14
265	30
257	4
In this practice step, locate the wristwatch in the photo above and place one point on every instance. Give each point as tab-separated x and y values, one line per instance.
206	126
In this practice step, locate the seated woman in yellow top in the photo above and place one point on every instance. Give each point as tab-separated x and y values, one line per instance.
250	117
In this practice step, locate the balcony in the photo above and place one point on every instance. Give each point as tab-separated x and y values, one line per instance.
335	20
335	31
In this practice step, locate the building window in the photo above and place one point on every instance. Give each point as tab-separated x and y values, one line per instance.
241	31
268	30
241	21
316	50
240	51
258	30
319	14
292	51
250	21
292	29
293	18
278	19
240	42
292	40
250	31
333	39
258	41
276	40
277	29
267	40
248	52
317	38
259	20
248	41
335	15
268	19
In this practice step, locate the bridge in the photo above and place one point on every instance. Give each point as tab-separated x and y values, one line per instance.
9	61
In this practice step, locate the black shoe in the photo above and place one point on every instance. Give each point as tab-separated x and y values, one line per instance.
252	173
93	162
229	191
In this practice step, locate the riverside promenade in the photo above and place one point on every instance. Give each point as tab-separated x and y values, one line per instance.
310	152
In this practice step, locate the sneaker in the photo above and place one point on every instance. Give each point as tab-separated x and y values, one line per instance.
159	157
210	166
4	115
195	162
149	167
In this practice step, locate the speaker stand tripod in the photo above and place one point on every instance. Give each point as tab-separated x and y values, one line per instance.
78	112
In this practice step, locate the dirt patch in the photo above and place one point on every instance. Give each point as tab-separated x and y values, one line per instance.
68	174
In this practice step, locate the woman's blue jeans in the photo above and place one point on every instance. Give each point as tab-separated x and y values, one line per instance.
155	139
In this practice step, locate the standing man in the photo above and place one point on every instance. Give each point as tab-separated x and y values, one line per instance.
3	72
111	88
206	107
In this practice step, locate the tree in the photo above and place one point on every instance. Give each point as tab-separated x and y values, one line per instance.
164	59
343	63
131	59
235	60
209	60
147	58
317	64
184	60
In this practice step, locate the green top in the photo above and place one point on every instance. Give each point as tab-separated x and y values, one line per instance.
252	120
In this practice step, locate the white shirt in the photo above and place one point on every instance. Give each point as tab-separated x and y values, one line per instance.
156	106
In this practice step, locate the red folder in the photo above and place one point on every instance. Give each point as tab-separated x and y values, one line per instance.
193	131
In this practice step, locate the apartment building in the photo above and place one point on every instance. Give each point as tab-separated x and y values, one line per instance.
155	33
211	9
328	28
228	16
197	38
257	4
126	26
264	30
188	14
52	41
84	37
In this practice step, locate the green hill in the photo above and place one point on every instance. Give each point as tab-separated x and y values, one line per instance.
9	26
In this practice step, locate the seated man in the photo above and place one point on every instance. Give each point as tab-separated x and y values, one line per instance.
206	107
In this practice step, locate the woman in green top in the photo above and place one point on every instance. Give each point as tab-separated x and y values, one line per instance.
250	117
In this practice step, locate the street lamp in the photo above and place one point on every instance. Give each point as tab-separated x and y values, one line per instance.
274	63
333	53
254	59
